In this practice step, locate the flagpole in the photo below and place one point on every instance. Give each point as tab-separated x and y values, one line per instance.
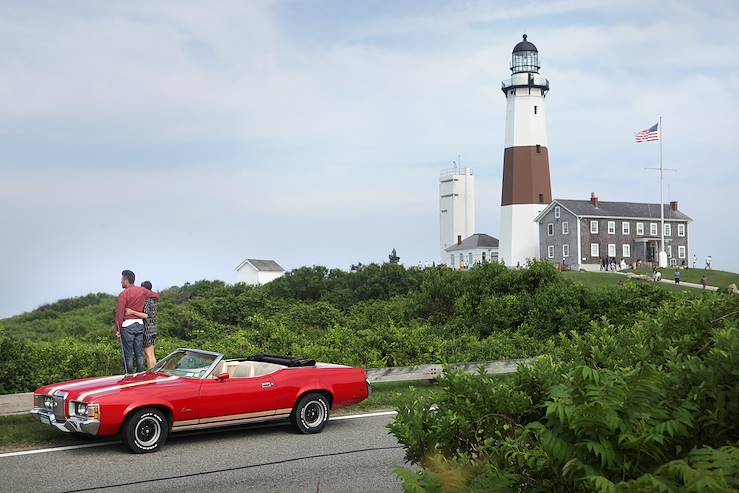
662	253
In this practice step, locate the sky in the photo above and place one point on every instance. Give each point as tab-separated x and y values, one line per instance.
178	138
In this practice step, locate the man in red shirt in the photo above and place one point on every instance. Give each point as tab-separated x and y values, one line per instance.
129	327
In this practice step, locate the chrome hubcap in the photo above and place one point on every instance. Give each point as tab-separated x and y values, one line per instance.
148	430
314	413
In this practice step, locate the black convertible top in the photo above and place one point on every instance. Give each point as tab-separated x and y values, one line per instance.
289	361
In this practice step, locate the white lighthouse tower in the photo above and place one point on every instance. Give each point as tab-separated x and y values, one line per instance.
526	184
456	208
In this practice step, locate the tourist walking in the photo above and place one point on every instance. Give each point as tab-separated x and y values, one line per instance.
677	277
708	263
695	260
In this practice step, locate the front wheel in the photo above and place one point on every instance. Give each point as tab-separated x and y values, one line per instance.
145	431
310	414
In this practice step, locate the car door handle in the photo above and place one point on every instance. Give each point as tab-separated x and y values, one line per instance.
267	385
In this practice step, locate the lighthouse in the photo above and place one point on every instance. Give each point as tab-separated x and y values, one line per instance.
527	187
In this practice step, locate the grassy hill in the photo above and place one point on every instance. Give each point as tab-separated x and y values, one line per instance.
718	278
88	317
596	280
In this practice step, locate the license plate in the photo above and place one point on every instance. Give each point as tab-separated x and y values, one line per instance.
45	419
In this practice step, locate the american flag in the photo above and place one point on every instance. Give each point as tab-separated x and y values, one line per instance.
648	135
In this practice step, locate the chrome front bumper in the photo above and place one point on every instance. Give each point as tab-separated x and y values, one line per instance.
71	424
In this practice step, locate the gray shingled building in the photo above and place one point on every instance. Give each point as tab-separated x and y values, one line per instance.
581	233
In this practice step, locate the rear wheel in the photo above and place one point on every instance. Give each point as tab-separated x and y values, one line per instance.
311	413
145	430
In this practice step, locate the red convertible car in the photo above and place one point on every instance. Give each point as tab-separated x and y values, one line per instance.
194	389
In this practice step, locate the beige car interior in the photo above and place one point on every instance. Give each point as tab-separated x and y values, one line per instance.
245	369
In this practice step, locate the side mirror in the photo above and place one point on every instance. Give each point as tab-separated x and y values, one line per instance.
223	376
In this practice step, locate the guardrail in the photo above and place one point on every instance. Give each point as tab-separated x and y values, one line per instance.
21	403
432	372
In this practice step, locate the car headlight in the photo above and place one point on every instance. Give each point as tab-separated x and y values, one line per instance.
83	409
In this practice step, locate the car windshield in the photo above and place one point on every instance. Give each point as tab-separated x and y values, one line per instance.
186	363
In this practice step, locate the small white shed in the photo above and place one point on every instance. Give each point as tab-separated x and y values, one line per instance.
255	271
472	250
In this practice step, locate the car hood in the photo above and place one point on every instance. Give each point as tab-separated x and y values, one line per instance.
89	388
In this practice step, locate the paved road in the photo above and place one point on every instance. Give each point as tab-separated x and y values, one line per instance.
349	455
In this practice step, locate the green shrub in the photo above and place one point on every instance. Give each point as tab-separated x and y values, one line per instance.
649	406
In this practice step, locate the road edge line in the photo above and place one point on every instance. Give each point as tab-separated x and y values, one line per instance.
364	415
56	449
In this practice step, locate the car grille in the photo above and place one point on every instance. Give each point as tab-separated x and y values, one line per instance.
59	405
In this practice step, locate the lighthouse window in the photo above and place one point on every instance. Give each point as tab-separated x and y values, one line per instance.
538	148
541	198
535	108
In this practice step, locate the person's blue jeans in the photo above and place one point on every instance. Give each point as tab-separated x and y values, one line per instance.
132	340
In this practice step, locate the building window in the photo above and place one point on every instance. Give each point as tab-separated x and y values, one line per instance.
611	227
626	250
557	212
452	260
550	251
541	198
669	251
565	228
640	229
483	257
535	109
681	229
681	251
565	251
594	250
550	229
594	227
668	229
652	229
626	228
611	249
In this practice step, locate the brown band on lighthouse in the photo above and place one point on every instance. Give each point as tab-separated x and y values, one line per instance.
526	176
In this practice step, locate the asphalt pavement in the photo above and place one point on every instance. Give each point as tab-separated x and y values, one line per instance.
350	455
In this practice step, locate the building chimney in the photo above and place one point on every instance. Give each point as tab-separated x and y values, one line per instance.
459	239
594	199
673	205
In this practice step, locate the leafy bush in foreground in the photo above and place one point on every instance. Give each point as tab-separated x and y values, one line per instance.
647	407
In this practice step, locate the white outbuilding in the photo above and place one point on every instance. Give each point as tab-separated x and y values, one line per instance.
474	249
255	271
456	207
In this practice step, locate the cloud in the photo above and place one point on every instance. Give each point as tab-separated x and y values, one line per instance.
314	134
